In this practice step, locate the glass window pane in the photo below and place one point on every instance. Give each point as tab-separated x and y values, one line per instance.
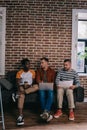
82	29
80	58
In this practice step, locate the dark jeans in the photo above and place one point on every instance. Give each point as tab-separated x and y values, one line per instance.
46	99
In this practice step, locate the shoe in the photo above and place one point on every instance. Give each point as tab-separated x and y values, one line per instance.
14	97
71	116
44	115
58	114
49	118
20	121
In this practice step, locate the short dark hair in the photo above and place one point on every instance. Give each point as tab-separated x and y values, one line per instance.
24	60
67	60
45	58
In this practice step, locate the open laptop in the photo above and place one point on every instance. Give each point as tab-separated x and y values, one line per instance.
46	86
65	84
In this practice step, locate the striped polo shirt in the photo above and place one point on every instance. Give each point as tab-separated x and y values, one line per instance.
63	75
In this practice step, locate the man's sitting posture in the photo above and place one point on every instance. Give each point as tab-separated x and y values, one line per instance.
71	80
45	75
25	82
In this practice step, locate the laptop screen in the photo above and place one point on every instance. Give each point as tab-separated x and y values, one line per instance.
46	86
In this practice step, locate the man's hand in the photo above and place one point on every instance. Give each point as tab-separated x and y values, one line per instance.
72	87
59	87
21	90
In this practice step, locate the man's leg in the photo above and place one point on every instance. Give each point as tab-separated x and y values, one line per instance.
46	104
21	97
20	120
49	100
60	94
48	116
70	97
42	99
32	89
21	103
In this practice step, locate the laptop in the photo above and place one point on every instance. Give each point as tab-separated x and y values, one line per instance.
65	84
45	86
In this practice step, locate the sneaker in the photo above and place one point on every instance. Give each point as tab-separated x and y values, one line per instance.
49	118
20	121
44	115
58	114
71	116
14	97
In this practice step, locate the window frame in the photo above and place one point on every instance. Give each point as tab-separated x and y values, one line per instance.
75	37
2	49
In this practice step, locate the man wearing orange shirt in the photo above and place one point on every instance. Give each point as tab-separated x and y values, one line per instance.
25	82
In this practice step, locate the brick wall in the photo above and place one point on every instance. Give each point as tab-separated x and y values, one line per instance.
36	28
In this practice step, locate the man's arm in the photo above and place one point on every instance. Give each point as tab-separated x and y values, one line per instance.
76	80
53	76
20	88
38	77
18	82
57	78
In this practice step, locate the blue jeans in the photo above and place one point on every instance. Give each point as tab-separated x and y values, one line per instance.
46	99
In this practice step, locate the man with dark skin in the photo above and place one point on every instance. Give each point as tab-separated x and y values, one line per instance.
25	82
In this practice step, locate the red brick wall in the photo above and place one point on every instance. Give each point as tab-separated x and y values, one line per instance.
36	28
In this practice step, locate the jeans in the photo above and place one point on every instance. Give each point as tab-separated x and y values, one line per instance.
46	99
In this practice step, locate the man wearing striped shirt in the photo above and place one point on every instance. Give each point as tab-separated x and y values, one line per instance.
66	75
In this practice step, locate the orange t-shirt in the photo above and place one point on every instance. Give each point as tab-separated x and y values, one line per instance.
26	76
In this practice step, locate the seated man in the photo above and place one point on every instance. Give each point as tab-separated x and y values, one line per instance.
71	80
25	82
45	75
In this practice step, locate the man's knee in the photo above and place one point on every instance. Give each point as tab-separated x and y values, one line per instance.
21	96
35	87
60	92
69	91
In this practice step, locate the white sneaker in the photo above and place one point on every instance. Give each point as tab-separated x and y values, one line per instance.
49	118
14	97
20	121
44	115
